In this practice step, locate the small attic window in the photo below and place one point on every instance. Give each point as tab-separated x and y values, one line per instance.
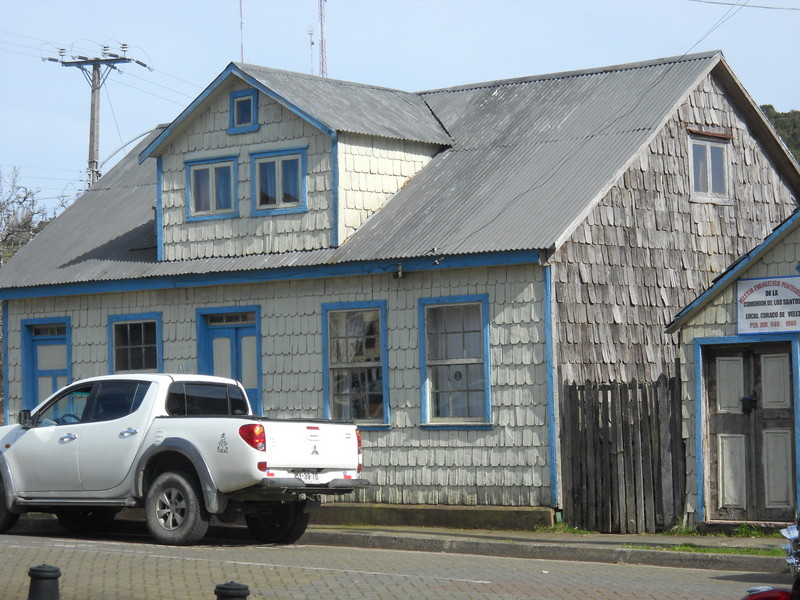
709	168
243	112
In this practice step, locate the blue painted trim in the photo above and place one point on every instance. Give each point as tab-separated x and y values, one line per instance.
335	191
425	413
699	346
27	356
204	365
160	209
213	214
280	210
230	70
321	271
464	427
136	318
253	125
327	308
552	422
733	272
5	362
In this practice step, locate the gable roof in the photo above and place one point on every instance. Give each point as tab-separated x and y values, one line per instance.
531	157
735	271
330	105
528	159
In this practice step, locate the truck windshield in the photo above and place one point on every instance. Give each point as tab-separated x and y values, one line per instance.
205	399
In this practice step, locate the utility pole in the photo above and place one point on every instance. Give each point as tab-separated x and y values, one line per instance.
100	68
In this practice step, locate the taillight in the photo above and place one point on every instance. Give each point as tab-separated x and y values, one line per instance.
360	459
254	435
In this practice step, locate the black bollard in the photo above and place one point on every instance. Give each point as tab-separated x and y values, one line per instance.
231	590
44	583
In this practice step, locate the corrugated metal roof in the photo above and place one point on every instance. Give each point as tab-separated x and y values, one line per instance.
528	160
530	156
353	107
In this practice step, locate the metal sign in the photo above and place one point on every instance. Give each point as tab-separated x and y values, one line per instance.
768	305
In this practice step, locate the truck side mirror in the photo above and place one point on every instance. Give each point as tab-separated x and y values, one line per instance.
24	419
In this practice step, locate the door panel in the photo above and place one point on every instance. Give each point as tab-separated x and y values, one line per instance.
751	474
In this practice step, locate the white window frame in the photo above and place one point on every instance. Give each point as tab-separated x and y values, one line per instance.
211	165
713	148
278	158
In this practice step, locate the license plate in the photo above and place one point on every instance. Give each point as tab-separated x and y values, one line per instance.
308	477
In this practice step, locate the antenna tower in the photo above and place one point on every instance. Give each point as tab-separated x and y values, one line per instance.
323	63
311	50
100	68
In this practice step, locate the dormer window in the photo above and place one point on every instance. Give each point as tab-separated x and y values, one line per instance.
279	181
243	111
211	186
710	167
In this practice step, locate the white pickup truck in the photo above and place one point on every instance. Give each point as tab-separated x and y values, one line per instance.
184	447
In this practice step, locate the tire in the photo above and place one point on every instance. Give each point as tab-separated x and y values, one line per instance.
278	523
7	519
174	510
86	520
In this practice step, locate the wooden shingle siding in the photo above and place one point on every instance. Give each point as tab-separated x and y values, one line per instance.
206	137
505	465
372	169
647	248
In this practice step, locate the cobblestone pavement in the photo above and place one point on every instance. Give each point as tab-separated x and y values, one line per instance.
132	568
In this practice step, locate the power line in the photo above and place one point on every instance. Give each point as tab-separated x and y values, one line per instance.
764	6
100	68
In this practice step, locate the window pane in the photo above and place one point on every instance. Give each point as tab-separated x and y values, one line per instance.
201	190
244	111
135	346
222	183
267	184
718	183
700	168
291	180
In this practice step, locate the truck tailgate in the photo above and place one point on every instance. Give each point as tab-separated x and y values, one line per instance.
307	446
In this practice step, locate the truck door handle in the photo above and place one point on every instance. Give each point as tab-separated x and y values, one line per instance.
128	432
68	438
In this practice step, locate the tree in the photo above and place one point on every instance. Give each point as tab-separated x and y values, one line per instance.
788	126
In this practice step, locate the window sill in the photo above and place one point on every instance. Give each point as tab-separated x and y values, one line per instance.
281	210
375	427
716	200
456	426
244	129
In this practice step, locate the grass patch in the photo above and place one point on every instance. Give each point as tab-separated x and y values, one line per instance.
702	550
561	528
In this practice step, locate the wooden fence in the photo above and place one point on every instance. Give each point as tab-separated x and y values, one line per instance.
622	456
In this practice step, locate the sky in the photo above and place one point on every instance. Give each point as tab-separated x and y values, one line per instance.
412	45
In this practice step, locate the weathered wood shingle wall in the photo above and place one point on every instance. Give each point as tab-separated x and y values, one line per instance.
507	464
647	249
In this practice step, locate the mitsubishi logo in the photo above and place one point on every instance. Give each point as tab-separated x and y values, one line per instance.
315	451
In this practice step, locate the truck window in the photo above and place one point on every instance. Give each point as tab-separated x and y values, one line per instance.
117	399
205	399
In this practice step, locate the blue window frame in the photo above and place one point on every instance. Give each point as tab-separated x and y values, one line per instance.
135	343
211	186
278	181
454	359
243	112
354	354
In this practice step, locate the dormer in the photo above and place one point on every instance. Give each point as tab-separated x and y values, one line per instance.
268	161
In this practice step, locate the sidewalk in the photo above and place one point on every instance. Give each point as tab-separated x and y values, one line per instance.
604	548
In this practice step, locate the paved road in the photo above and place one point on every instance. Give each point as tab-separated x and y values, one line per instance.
130	567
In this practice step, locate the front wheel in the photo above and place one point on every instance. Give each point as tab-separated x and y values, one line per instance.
174	510
7	519
278	523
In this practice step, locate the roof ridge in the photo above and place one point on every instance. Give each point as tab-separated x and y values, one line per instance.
576	73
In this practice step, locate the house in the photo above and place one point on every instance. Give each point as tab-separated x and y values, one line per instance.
740	364
433	265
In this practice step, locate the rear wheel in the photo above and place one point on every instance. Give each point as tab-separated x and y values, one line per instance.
86	520
278	523
7	519
174	509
